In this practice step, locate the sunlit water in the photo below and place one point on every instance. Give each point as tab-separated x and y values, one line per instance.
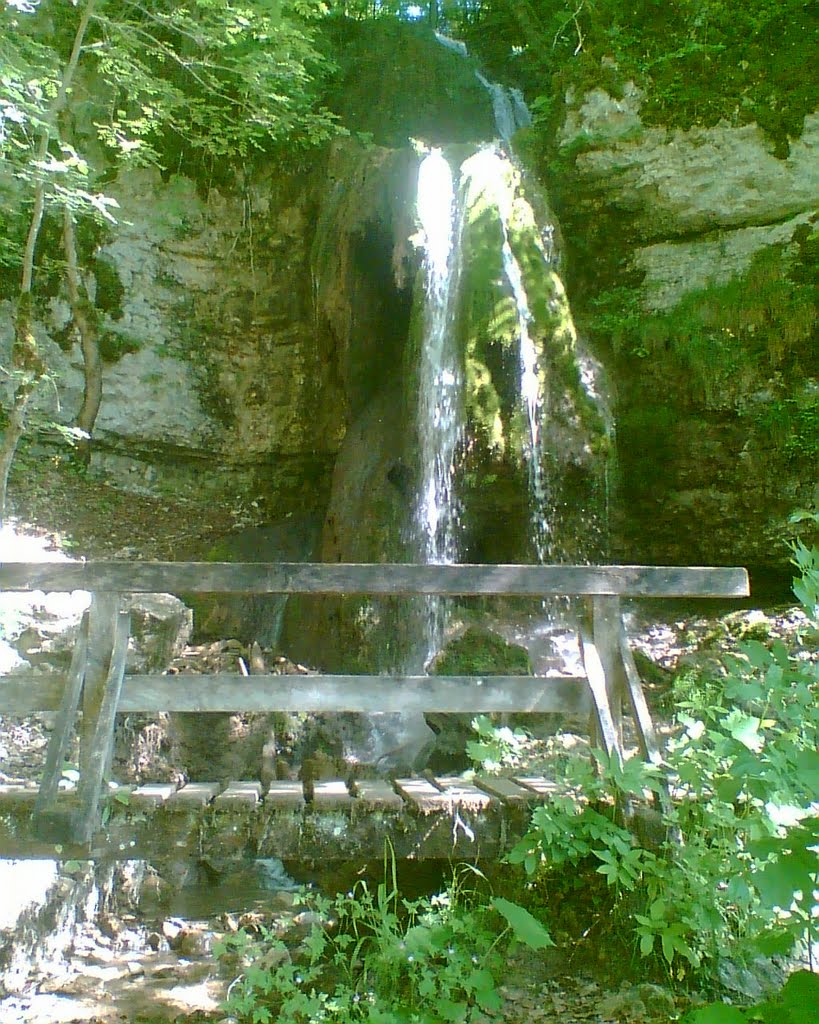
440	418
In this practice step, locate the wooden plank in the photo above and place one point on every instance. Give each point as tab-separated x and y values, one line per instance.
333	578
102	625
540	786
239	794
60	740
597	685
194	795
422	796
331	795
29	692
505	790
298	693
377	794
152	794
283	795
98	757
646	735
13	795
607	623
464	794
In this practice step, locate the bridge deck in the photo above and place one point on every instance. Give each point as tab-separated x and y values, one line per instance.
328	820
423	817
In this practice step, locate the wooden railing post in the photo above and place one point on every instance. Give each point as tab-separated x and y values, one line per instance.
102	617
606	626
107	649
63	728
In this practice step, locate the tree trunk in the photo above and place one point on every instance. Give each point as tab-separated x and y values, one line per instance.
27	364
85	320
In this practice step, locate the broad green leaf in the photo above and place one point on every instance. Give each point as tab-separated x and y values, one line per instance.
807	768
526	928
793	872
716	1013
745	730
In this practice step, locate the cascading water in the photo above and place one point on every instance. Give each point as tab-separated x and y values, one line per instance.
490	172
473	437
509	108
440	377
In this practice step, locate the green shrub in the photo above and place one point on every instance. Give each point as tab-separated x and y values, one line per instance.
733	869
376	957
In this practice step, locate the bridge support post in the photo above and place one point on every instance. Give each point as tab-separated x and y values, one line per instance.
109	629
607	625
61	736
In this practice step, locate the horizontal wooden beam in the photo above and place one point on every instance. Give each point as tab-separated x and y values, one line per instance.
28	693
396	580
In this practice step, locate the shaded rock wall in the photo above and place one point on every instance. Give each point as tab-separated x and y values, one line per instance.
676	241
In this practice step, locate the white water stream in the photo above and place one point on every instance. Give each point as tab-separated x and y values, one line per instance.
440	416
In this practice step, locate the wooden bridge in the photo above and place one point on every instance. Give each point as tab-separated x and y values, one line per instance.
424	816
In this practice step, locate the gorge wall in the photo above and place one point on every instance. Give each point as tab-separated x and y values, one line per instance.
256	333
692	263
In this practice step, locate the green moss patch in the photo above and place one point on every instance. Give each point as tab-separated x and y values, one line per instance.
481	652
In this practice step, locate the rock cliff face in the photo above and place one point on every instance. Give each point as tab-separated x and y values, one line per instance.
691	256
218	384
257	335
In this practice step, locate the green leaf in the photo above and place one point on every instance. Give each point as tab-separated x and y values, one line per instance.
744	729
800	996
807	769
716	1013
526	928
792	872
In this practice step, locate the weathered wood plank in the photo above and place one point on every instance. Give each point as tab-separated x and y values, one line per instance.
607	623
152	794
284	795
318	578
102	626
597	685
64	725
194	795
239	794
464	794
646	735
13	794
98	756
506	790
377	793
331	795
421	795
25	693
540	786
224	692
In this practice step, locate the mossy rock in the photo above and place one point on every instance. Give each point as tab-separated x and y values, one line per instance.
480	652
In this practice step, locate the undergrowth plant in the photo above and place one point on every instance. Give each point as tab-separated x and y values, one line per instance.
496	746
733	869
374	956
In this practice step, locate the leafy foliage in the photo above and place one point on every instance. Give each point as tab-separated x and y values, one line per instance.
697	62
797	1003
496	746
377	957
733	867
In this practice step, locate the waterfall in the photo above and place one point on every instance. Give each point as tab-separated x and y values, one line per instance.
511	113
440	376
491	173
509	108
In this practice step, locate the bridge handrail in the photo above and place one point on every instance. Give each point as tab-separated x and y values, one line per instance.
376	578
97	672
